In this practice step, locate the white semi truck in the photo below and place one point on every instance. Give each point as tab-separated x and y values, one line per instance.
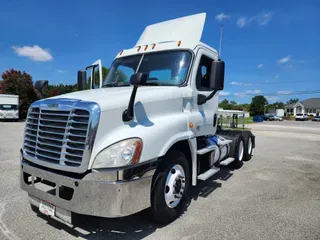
9	106
141	138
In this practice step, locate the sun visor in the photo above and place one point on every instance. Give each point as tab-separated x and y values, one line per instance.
186	29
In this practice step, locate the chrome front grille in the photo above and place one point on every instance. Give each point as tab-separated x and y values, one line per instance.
59	137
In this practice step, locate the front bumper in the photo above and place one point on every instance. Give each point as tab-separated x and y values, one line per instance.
91	195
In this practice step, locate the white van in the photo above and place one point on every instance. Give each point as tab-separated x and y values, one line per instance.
9	106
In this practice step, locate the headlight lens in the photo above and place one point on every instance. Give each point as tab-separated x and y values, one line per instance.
119	154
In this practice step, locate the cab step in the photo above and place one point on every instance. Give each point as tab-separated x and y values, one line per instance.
206	149
227	161
204	176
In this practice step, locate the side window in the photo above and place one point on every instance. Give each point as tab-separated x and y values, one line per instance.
122	74
203	74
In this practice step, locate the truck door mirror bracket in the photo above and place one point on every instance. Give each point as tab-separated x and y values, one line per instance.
202	99
135	80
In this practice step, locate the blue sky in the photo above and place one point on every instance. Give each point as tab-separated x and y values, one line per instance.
270	47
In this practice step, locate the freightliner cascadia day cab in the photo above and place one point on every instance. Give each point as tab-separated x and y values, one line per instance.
9	106
138	140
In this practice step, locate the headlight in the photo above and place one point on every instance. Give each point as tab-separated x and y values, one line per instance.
119	154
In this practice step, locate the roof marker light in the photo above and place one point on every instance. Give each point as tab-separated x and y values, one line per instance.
146	47
121	52
153	45
139	47
179	43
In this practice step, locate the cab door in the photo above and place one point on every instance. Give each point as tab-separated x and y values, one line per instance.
205	115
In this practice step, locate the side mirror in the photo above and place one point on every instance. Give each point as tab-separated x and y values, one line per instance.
137	79
82	79
217	75
41	84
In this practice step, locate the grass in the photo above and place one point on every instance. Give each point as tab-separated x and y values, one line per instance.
248	120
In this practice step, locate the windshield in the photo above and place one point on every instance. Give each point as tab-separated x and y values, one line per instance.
8	107
162	68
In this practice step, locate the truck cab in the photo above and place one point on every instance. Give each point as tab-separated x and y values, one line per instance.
139	138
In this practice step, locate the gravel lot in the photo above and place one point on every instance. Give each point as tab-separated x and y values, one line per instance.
276	195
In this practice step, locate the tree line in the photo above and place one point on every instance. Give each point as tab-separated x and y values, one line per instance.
259	105
20	83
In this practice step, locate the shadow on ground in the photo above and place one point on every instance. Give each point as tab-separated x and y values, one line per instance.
136	226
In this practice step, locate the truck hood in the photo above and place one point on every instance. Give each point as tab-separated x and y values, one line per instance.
118	97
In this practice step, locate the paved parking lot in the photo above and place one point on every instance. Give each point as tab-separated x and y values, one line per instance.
276	195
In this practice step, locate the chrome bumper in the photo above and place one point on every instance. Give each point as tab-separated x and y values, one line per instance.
91	195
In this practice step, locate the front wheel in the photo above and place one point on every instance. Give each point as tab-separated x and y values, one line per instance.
170	187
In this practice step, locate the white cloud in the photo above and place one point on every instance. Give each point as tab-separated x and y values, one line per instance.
222	93
261	19
220	17
35	53
236	83
61	71
276	77
253	91
284	59
242	21
264	18
239	94
271	98
284	92
241	83
260	65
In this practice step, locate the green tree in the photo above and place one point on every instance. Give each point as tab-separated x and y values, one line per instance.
20	83
243	107
293	100
96	76
233	105
225	104
276	105
257	105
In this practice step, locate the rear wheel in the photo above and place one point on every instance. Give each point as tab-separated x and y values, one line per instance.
248	148
239	152
170	187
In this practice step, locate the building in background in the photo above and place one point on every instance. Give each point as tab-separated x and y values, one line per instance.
309	106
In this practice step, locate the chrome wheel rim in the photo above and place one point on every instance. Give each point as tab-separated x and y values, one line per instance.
175	186
240	151
249	145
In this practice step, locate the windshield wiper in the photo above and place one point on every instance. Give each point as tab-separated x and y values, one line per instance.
114	85
109	85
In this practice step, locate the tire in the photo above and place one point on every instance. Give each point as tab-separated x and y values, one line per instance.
239	152
248	148
34	208
163	191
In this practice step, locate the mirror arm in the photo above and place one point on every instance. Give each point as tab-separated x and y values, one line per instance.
203	99
128	114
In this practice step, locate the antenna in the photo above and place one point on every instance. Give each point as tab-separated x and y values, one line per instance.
220	41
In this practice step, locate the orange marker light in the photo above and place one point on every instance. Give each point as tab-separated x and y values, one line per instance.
139	47
191	125
153	45
179	43
146	47
121	52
